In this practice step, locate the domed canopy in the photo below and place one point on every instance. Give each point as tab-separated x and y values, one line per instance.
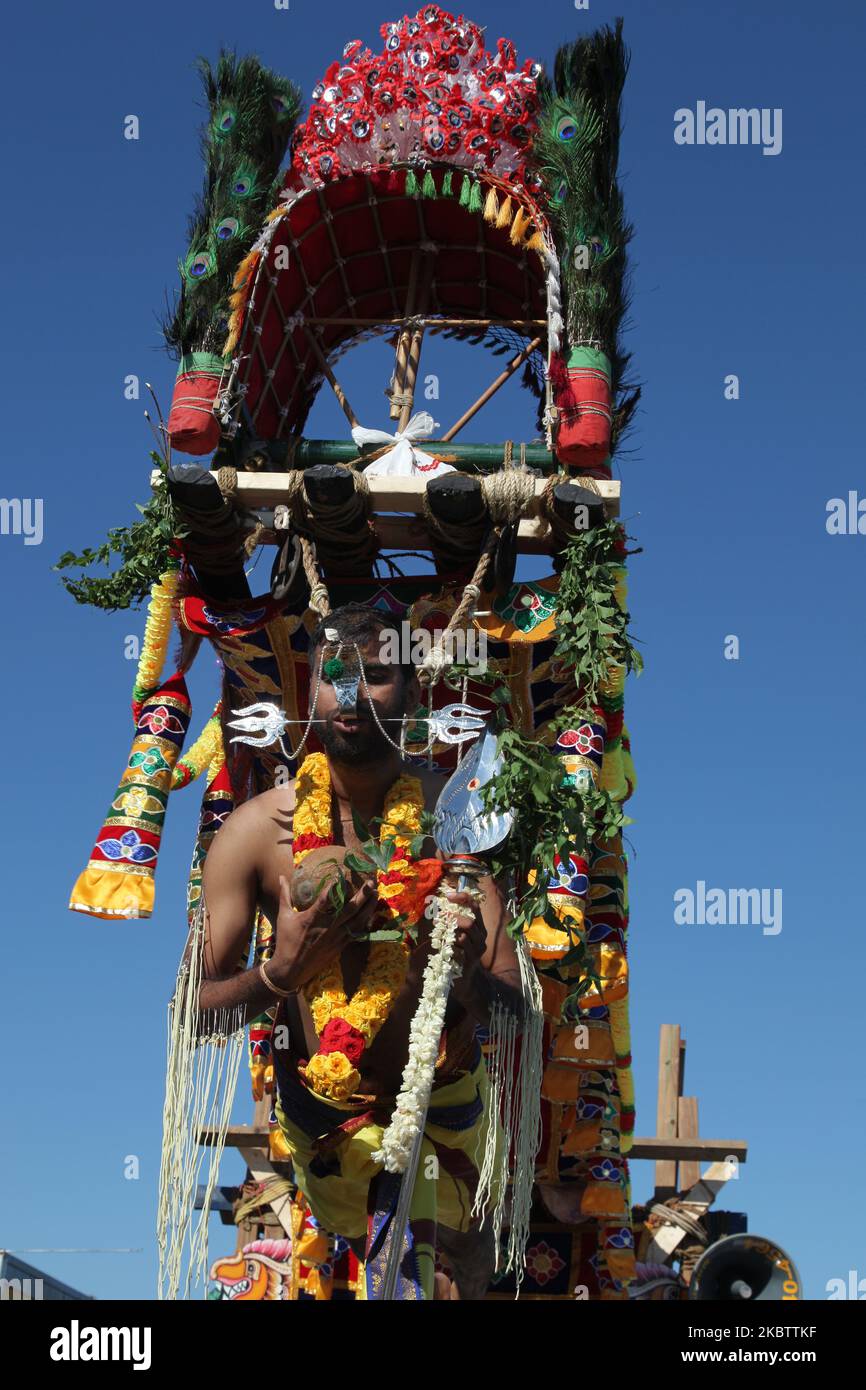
347	259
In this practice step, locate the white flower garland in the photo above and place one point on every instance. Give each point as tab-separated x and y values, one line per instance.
439	975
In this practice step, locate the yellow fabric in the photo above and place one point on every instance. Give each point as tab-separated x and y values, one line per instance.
620	1264
110	891
603	1199
583	1138
278	1149
611	967
339	1201
553	996
501	629
587	1045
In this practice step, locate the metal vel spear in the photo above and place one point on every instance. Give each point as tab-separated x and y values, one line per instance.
463	832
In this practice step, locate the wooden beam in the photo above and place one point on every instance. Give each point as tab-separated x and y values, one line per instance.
650	1148
411	375
697	1201
680	1150
392	494
410	533
687	1128
666	1112
405	338
261	1169
398	506
237	1137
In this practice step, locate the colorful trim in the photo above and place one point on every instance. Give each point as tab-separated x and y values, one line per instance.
119	878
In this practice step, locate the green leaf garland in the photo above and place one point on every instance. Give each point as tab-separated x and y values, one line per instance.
144	548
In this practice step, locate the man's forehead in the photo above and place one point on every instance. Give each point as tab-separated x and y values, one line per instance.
375	648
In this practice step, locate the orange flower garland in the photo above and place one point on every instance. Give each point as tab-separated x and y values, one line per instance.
346	1027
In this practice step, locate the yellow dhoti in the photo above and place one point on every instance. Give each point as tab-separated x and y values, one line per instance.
332	1146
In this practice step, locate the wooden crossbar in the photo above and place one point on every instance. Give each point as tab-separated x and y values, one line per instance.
389	494
649	1148
398	508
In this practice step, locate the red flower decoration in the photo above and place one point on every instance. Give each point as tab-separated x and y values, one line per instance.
309	841
507	58
339	1036
434	56
160	720
418	883
384	99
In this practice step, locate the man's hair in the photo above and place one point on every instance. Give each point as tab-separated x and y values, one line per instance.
356	622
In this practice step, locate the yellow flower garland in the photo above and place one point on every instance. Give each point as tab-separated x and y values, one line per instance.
207	747
157	631
332	1074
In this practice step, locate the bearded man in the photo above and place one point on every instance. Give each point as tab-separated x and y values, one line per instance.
323	969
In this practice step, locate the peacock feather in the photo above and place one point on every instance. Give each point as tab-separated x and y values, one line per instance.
576	148
253	113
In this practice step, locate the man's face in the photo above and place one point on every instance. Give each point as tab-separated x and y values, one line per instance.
350	735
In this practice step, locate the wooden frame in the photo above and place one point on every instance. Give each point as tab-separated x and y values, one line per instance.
398	507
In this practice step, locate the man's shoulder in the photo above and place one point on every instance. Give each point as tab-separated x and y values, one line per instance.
275	799
265	808
250	836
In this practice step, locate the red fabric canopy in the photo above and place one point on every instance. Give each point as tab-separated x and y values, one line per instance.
345	251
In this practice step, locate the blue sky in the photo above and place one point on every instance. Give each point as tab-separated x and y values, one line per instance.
749	769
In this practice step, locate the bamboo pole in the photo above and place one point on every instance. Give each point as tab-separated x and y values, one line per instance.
494	386
405	337
337	389
466	457
411	375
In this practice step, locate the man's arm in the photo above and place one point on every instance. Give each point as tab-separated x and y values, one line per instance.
305	941
230	887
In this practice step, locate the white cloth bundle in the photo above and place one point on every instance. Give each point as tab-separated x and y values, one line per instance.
404	459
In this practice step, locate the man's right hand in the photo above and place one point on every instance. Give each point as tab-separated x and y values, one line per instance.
308	941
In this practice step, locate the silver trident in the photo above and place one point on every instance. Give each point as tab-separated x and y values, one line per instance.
265	723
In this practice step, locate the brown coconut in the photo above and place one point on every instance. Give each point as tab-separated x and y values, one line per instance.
319	869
